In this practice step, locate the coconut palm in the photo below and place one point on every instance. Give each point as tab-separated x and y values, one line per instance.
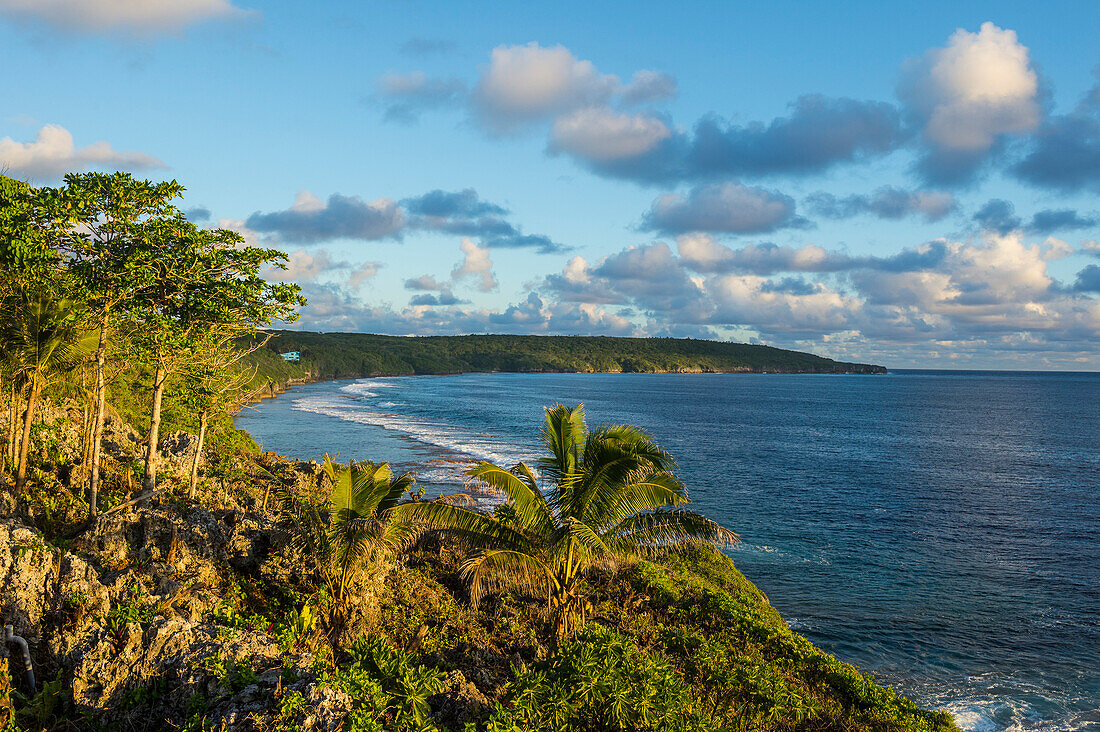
355	525
41	336
605	492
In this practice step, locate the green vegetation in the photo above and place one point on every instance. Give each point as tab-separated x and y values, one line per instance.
165	596
340	355
608	493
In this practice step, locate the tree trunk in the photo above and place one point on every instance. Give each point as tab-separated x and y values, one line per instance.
13	418
160	378
25	445
100	413
198	454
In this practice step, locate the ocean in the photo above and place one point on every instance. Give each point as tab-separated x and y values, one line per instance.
940	530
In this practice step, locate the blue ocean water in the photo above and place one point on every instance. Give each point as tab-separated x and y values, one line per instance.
938	529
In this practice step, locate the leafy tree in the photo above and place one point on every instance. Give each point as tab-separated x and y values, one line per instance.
105	241
214	380
608	492
40	335
202	286
357	524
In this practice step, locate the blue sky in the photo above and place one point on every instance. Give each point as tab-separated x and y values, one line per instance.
913	184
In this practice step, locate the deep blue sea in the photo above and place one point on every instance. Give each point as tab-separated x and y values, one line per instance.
938	529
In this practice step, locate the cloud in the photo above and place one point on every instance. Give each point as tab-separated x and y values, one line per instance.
53	153
137	16
476	266
598	134
464	213
998	215
310	266
1051	220
967	97
886	202
523	84
407	95
198	214
311	220
444	204
725	207
648	86
417	46
818	134
444	298
1065	152
1088	279
461	213
424	282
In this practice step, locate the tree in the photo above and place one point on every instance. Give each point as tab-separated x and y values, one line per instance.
214	380
40	335
358	523
202	286
104	239
608	492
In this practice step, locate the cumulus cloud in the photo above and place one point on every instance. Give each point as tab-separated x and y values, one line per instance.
818	134
526	83
598	134
1088	279
54	153
424	282
310	266
1063	219
198	214
444	298
464	213
725	207
1065	152
648	86
886	202
140	16
476	266
1000	216
312	220
967	97
407	95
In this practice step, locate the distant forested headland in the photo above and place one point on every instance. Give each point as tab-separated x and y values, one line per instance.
341	355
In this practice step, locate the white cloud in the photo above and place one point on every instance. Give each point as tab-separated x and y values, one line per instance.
475	265
968	94
54	153
723	207
525	83
598	133
649	86
142	16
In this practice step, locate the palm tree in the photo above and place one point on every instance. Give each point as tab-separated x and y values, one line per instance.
608	492
40	335
355	525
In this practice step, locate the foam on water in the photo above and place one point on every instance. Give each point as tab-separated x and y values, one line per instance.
359	402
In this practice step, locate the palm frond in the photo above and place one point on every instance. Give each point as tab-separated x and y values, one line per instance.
496	570
658	531
518	484
473	528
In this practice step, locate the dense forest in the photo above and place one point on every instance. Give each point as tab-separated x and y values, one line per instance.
338	355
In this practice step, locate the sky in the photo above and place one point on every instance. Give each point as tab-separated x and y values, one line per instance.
910	184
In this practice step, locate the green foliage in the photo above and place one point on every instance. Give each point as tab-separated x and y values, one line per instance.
600	680
228	673
356	355
388	691
609	492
